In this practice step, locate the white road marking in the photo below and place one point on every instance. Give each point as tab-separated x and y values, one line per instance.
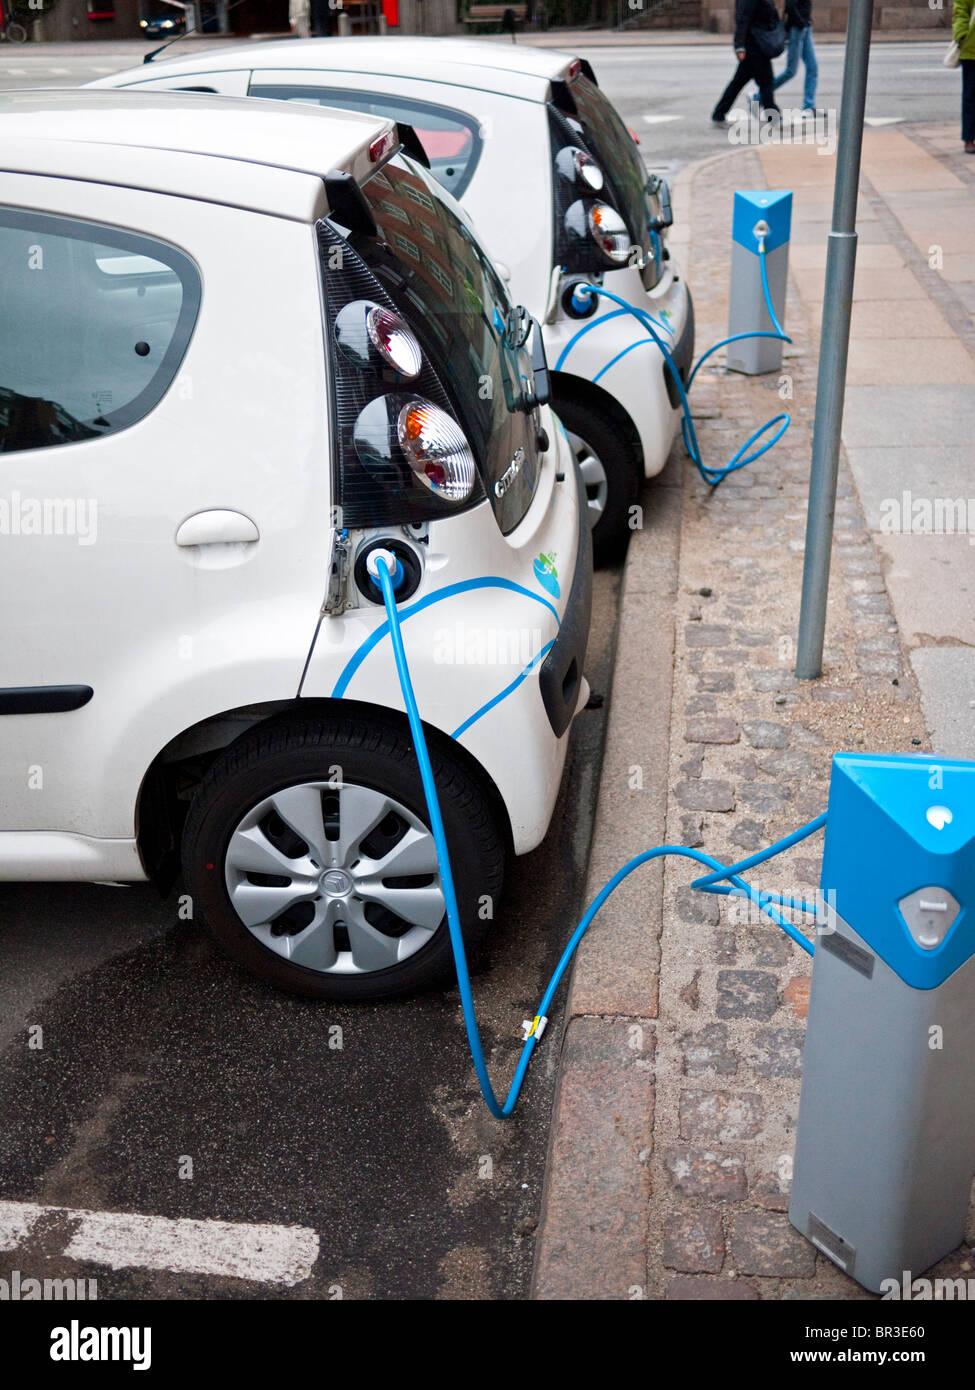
16	72
106	71
659	120
882	120
940	68
16	1221
121	1240
59	72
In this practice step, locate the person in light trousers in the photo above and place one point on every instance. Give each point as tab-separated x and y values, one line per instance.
798	23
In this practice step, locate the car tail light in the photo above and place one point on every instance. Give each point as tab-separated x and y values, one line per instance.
394	342
379	480
371	336
436	449
609	232
401	440
579	166
575	67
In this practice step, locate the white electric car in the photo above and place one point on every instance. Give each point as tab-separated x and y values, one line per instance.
241	345
558	193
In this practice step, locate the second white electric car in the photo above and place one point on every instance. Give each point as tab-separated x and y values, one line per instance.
241	346
558	193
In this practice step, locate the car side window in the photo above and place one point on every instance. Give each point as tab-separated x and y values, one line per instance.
94	323
451	139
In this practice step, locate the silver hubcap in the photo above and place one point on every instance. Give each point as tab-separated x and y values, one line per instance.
593	476
337	878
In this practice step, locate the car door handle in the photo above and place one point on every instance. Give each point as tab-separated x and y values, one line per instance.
217	527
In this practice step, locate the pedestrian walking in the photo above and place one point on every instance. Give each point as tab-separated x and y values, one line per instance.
799	30
759	37
963	32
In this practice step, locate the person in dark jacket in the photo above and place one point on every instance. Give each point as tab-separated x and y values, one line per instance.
798	23
753	65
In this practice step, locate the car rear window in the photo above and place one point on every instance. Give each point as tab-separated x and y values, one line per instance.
93	326
451	139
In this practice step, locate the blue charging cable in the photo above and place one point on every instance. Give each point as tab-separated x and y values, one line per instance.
723	878
712	476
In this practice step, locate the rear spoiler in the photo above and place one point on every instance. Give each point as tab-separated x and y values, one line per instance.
410	142
347	202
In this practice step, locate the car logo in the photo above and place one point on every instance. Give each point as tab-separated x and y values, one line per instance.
510	473
546	573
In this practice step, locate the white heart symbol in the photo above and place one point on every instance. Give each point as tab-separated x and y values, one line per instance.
939	817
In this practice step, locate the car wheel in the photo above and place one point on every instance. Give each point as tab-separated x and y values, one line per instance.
308	850
609	476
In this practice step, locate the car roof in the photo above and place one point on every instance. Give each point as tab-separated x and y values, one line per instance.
511	69
264	156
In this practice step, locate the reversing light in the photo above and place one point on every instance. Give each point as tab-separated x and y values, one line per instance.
436	449
608	231
579	167
394	342
371	335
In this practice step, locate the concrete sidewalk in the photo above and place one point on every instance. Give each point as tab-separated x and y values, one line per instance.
670	1162
607	38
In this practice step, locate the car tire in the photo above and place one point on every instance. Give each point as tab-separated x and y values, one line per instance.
609	473
240	855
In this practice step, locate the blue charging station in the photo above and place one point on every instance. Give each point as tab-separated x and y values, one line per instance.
885	1149
761	222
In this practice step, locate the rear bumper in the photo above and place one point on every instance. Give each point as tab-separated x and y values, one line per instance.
683	356
560	676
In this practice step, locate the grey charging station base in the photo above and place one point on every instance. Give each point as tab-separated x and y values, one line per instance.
885	1150
747	309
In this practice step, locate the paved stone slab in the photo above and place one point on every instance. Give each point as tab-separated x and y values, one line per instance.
592	1241
707	1173
765	1243
947	679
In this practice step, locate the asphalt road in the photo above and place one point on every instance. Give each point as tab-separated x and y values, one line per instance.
665	93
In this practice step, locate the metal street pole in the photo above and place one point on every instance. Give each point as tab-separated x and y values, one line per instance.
834	345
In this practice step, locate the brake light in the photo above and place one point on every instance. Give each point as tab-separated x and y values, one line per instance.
608	231
402	439
436	449
382	146
575	67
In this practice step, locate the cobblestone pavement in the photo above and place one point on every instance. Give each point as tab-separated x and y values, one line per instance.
750	759
712	1037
